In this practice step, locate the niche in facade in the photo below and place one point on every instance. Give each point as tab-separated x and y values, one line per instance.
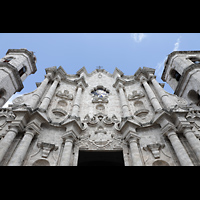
41	162
141	111
194	97
160	163
174	74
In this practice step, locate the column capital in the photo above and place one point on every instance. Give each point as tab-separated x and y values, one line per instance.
57	78
119	86
34	126
13	128
184	126
132	137
80	85
49	76
168	129
69	136
143	79
188	129
151	77
30	132
81	82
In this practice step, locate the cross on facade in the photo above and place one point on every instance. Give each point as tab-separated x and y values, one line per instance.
99	67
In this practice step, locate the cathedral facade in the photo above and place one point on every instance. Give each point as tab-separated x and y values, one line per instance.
104	119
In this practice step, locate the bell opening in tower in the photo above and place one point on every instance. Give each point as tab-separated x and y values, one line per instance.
100	158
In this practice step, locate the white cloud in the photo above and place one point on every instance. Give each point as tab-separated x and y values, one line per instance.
177	44
138	37
160	65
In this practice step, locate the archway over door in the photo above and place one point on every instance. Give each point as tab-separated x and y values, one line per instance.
100	158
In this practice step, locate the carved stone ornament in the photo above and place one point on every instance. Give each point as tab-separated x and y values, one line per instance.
46	148
64	95
135	95
18	100
97	99
101	143
100	129
154	149
100	118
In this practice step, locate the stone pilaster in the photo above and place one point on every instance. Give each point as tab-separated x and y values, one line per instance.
69	139
169	129
77	100
7	141
153	99
193	141
186	128
133	139
47	99
167	101
21	151
123	100
179	149
40	91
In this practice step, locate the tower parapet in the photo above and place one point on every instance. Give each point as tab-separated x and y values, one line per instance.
15	67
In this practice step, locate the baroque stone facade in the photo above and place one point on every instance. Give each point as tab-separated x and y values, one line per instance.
100	118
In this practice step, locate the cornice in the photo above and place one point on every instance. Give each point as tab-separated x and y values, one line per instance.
29	53
81	81
145	71
118	82
171	56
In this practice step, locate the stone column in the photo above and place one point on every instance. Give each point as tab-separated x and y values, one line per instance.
168	102
152	97
193	141
123	101
21	150
135	154
47	99
7	141
69	139
40	91
179	149
77	100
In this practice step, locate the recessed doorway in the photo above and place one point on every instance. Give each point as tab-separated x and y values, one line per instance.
100	158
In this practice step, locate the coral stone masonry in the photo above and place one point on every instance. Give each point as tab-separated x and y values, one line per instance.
99	118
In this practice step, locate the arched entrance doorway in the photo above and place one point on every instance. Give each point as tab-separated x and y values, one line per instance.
100	158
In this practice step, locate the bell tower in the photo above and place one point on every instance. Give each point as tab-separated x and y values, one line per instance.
182	73
15	67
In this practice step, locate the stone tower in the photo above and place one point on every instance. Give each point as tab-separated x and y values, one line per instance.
100	118
182	73
15	67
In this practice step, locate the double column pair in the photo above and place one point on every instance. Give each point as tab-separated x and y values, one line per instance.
132	137
5	143
20	153
71	136
181	153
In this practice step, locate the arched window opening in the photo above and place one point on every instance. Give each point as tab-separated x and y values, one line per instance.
195	60
100	91
175	74
194	96
22	71
8	59
2	92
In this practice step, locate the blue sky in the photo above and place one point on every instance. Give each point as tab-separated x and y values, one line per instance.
72	51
